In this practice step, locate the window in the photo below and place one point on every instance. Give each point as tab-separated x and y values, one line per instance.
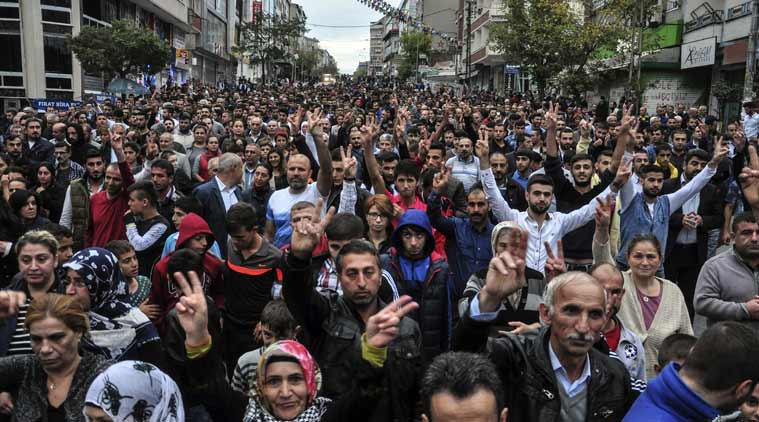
56	3
9	13
56	16
57	56
10	60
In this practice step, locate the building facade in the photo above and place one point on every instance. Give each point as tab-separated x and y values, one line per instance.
38	65
376	47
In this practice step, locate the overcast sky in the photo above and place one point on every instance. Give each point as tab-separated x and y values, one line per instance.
347	45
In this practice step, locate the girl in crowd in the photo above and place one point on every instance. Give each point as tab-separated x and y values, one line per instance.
25	205
276	159
379	214
50	193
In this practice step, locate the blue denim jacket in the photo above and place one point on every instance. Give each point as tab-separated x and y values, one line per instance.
636	219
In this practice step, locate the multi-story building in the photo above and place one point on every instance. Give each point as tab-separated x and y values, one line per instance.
391	40
37	63
376	47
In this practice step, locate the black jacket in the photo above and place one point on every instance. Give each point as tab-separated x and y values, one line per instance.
259	199
525	369
209	196
335	328
710	208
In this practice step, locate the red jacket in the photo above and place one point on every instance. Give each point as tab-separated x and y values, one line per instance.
107	215
165	293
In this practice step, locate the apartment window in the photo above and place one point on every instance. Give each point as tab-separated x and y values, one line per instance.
10	60
57	56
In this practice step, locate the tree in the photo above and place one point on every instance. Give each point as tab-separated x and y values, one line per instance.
306	62
547	37
119	50
269	37
414	45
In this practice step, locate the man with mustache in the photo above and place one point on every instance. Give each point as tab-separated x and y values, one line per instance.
470	237
556	374
414	268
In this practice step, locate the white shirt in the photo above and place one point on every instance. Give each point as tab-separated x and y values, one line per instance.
227	194
688	236
555	226
751	125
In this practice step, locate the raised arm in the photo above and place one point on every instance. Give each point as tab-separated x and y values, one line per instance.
324	177
445	225
678	198
372	168
552	148
585	213
499	205
349	194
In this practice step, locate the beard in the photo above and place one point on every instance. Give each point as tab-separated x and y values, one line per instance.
537	209
298	183
583	183
651	193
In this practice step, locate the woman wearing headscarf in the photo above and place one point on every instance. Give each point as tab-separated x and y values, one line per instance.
133	391
119	331
26	206
288	378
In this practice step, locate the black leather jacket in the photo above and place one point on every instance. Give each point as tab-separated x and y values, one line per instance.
525	369
333	329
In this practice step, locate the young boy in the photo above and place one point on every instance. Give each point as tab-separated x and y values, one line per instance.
195	235
182	207
674	348
276	324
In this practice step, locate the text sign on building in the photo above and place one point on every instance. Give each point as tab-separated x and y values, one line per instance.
44	103
698	53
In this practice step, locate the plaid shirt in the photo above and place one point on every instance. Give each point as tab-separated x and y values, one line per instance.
76	171
326	278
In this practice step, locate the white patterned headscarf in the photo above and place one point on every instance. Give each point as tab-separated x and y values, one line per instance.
136	391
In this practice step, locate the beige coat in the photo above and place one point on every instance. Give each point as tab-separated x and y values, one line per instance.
671	317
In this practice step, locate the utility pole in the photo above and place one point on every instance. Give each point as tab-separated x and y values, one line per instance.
748	83
417	45
468	44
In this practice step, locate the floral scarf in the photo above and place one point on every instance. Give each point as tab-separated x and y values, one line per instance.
116	327
259	411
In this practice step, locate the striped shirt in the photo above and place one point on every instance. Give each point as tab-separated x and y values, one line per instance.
244	378
20	341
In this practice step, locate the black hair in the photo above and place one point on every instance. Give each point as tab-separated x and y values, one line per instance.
185	260
164	165
675	347
662	147
145	190
539	179
386	157
189	204
581	157
407	168
119	247
336	155
698	153
650	168
63	144
438	146
461	375
743	217
724	356
345	226
57	230
278	319
358	247
241	216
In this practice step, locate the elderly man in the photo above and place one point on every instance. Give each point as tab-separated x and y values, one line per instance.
218	194
557	375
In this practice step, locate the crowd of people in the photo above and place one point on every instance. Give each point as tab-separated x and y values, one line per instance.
358	251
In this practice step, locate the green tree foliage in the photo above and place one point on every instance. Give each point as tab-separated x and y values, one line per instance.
548	37
411	43
119	50
270	37
306	62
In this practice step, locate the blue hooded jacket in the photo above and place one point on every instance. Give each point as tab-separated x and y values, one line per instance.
414	270
669	399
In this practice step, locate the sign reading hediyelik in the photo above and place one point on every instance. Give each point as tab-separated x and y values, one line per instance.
698	53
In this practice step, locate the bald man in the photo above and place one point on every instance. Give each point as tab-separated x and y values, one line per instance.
624	344
277	227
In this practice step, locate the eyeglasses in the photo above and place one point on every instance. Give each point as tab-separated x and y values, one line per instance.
375	216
